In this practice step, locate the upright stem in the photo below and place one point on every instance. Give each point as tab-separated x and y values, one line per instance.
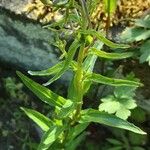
78	80
108	19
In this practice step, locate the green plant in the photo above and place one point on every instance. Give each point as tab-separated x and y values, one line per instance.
121	101
140	34
66	127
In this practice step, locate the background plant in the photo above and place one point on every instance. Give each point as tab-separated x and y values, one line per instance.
139	34
65	128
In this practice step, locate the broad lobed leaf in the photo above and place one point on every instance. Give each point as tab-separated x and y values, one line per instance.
121	107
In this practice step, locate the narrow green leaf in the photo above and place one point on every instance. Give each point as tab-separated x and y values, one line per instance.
116	148
114	141
76	130
66	109
88	64
110	6
53	70
75	143
113	56
104	40
42	121
70	55
91	115
42	92
111	81
49	137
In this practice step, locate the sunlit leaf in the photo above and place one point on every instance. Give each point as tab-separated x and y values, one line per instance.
42	121
111	81
53	70
88	64
66	109
121	107
49	137
42	92
91	115
113	56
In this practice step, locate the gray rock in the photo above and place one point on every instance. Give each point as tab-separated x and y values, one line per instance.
25	44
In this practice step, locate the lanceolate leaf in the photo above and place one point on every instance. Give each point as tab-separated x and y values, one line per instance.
42	92
111	81
88	64
75	143
103	39
49	137
75	131
112	56
91	115
66	109
90	60
42	121
110	5
70	55
53	70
